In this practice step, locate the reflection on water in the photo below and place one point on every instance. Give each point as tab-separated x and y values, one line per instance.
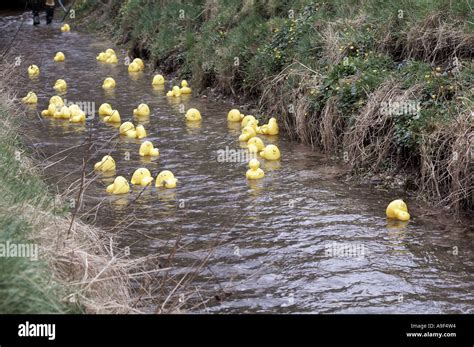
275	231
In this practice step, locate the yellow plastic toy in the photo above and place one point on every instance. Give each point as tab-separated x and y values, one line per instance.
105	109
397	209
65	28
77	115
102	57
147	149
247	133
158	80
142	111
62	113
254	173
59	56
30	98
270	152
112	59
141	177
60	85
234	115
166	179
113	118
272	128
176	91
57	100
133	67
184	87
126	127
255	145
139	62
109	83
193	115
33	70
120	186
247	119
106	164
141	132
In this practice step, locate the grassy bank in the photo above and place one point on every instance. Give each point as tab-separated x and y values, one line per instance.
343	76
65	268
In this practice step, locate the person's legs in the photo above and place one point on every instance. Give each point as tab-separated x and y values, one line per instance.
49	14
36	7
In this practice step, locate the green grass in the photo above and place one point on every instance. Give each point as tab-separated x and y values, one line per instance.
26	286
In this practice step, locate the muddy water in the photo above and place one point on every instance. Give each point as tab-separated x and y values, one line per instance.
276	235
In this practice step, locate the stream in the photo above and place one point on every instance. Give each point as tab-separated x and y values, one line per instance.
300	240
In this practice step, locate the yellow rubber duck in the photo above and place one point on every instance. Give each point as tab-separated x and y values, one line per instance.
109	83
109	52
234	115
105	109
176	91
185	88
33	70
126	127
247	119
112	59
59	56
30	98
102	56
166	179
141	177
272	128
141	132
247	133
60	85
142	111
77	115
158	80
255	145
113	118
57	100
270	152
147	149
254	173
120	186
106	164
139	62
52	108
133	67
65	28
262	130
193	115
397	209
62	113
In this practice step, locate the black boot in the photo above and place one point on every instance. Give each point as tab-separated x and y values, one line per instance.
49	14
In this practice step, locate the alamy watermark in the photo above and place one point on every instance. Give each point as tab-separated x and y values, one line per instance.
19	250
88	107
345	250
230	155
398	108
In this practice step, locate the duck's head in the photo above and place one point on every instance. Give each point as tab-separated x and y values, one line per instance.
270	152
254	164
141	176
158	80
126	126
64	112
110	51
184	83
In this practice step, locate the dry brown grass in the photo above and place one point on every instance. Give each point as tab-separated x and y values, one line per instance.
370	139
